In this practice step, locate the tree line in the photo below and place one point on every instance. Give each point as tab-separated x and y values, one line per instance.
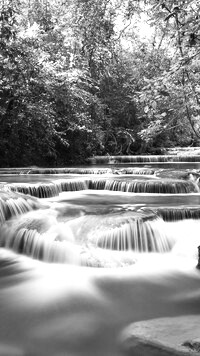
86	77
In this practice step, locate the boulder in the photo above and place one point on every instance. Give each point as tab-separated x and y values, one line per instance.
175	336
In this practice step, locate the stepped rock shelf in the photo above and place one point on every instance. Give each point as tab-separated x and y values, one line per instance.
106	251
143	159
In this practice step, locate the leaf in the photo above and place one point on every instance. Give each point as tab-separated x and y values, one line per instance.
154	105
164	93
142	98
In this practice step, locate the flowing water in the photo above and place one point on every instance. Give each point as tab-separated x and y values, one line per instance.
86	251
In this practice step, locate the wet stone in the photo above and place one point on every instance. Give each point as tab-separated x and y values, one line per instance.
176	336
193	345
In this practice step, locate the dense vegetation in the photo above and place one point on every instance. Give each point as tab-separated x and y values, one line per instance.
80	77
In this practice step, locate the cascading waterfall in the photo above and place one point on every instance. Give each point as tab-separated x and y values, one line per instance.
38	190
179	213
38	246
86	251
150	186
14	204
139	232
56	171
143	159
136	235
77	171
47	190
39	235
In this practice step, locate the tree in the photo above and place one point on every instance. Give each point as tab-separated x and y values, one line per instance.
79	78
175	85
27	114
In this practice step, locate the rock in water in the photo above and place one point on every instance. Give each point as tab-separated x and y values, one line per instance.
163	337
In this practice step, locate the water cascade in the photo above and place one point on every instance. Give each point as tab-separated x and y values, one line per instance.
136	234
38	234
77	171
143	159
179	213
146	186
47	190
14	204
84	252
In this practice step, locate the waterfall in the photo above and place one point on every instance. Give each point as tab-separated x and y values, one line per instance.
150	186
43	190
78	171
39	236
123	230
137	235
38	246
49	235
179	213
72	185
143	159
14	204
48	190
70	171
103	249
97	184
153	186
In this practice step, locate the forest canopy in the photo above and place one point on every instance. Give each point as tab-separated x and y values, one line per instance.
86	77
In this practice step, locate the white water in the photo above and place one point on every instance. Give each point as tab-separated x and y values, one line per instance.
63	310
67	309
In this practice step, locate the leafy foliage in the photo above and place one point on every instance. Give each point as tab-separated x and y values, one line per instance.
78	78
172	97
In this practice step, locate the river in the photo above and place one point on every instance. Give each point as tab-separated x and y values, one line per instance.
81	260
